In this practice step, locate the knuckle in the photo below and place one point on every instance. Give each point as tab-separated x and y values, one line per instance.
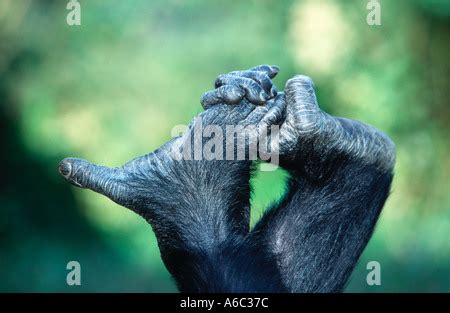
301	80
220	80
299	83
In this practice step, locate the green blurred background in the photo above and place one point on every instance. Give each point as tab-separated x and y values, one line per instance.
113	88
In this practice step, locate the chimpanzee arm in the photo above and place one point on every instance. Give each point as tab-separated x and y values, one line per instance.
198	207
341	172
319	230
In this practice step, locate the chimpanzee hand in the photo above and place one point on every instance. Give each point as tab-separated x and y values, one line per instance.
253	84
198	206
195	199
341	172
308	135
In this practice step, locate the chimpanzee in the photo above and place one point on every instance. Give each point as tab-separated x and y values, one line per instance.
199	208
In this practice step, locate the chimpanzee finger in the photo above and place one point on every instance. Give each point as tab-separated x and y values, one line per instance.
270	70
228	94
104	180
261	78
253	91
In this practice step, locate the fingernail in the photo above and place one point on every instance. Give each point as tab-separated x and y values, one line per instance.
263	97
275	68
273	91
65	168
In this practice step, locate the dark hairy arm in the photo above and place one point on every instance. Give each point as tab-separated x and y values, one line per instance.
341	171
197	207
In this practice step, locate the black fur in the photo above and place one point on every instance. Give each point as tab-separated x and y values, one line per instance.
341	173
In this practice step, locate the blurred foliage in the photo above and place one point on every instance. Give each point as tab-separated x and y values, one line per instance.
114	87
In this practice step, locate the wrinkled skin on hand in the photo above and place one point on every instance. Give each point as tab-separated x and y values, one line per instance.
308	134
131	184
194	206
341	171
